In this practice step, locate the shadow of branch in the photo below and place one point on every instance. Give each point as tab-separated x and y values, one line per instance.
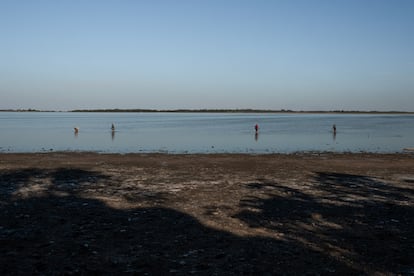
361	221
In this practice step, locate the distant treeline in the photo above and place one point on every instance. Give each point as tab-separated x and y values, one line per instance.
238	111
25	110
184	110
215	111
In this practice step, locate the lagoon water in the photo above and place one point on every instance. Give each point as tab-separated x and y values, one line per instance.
204	132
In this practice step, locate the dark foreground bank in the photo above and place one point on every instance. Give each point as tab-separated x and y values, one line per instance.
72	213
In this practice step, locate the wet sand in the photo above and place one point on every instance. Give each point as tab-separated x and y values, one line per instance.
156	214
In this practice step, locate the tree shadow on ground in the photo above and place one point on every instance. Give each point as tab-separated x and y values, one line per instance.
48	227
360	221
27	182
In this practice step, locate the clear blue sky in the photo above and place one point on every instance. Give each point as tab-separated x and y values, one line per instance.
301	55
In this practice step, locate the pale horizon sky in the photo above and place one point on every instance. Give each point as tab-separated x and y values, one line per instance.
292	54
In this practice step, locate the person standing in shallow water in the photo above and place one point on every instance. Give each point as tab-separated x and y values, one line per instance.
113	132
256	128
334	129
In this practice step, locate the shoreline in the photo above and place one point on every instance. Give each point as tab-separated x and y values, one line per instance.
405	153
233	214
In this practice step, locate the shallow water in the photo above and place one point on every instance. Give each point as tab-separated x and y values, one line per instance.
204	132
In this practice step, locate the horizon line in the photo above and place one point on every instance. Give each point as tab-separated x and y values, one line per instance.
212	110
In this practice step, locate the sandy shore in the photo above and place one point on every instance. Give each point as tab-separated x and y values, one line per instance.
72	213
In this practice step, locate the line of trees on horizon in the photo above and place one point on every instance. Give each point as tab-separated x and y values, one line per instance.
139	110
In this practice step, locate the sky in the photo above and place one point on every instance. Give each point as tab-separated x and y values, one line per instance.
213	54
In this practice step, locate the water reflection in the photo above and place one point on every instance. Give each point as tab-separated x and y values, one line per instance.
284	133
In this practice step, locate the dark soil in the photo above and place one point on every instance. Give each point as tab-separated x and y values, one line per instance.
325	214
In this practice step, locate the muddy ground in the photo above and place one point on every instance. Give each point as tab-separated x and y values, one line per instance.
156	214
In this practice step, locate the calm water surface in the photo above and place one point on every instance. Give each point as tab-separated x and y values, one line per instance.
204	132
